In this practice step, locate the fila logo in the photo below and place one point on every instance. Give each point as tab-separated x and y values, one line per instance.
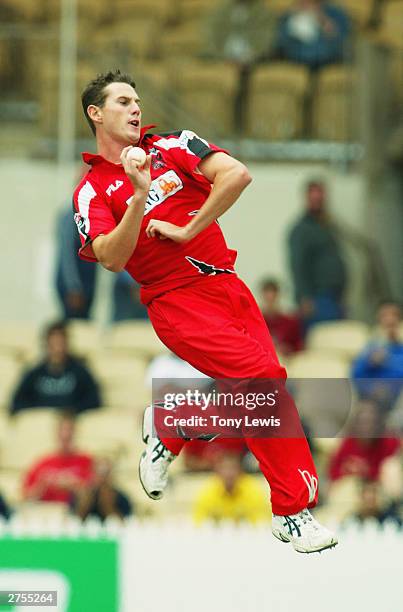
311	482
114	187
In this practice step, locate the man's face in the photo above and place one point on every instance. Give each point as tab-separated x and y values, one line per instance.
389	317
120	116
316	199
57	346
228	468
270	298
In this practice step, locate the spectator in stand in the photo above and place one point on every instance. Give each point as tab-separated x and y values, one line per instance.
285	329
75	279
241	32
126	303
314	33
4	509
231	495
59	381
372	506
100	498
378	370
366	447
317	267
59	476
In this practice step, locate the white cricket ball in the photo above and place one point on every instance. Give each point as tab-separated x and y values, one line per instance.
137	155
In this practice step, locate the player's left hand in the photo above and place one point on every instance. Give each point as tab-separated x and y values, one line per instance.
163	230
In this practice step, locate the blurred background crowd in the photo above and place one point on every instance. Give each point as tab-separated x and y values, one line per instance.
309	93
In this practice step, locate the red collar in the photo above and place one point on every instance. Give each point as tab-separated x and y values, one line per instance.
94	158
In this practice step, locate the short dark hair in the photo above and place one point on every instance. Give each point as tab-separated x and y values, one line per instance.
268	284
390	302
314	182
58	327
94	92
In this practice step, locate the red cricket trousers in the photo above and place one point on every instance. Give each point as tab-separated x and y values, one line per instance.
216	325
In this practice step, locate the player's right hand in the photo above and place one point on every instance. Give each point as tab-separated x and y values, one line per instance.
140	177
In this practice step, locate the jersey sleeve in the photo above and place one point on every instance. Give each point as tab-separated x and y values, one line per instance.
93	217
188	149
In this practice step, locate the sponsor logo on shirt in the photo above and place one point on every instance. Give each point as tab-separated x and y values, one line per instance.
161	188
157	161
114	187
81	225
207	268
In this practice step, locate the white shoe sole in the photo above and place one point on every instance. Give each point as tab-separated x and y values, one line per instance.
319	549
146	435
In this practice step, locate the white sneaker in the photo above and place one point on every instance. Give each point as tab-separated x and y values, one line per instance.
303	531
154	462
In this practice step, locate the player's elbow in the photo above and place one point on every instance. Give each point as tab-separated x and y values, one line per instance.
112	266
244	176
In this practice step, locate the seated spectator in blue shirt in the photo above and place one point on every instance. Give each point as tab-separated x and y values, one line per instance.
126	302
315	33
4	509
59	381
75	279
378	370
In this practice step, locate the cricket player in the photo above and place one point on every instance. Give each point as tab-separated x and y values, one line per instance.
159	222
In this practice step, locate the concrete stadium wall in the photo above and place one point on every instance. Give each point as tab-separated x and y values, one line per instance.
33	192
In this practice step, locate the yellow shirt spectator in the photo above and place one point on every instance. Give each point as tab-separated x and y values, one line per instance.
246	502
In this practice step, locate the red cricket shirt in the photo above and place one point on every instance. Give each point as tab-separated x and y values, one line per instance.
354	457
177	192
52	467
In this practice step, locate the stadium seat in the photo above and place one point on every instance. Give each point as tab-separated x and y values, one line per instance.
322	390
17	337
10	485
26	10
10	371
279	6
85	337
195	10
47	88
318	364
105	433
127	11
29	435
343	338
359	11
144	44
181	43
135	338
96	12
206	91
276	101
5	57
396	76
391	28
122	378
342	500
153	84
333	105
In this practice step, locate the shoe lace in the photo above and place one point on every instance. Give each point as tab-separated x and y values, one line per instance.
162	457
307	519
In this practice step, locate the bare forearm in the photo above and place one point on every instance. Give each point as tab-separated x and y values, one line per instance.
228	186
115	249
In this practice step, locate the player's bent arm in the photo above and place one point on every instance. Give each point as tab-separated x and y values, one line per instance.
229	178
114	250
